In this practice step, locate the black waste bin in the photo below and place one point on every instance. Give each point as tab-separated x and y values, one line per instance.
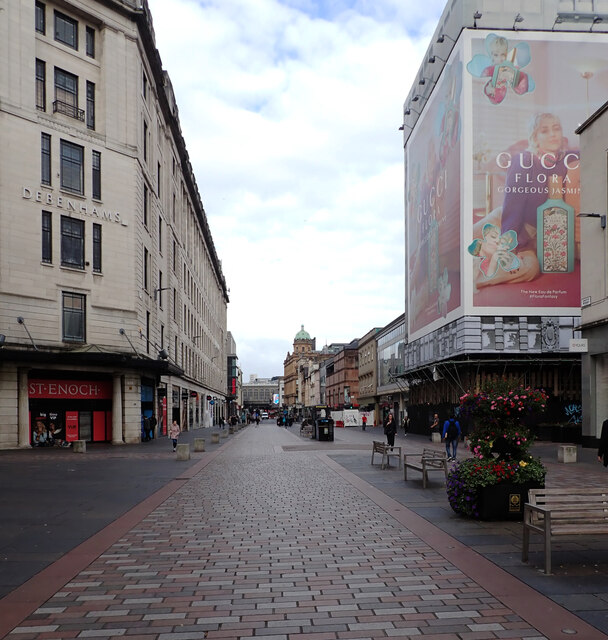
325	429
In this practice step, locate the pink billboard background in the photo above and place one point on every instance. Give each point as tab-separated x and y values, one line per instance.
433	179
522	237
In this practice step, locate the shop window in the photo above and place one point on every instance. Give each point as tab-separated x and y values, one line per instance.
74	316
72	242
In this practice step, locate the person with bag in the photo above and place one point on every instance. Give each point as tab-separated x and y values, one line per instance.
174	432
451	435
390	429
434	425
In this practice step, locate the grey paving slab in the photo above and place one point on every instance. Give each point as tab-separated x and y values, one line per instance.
274	539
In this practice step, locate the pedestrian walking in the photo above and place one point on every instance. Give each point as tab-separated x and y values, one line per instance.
364	422
406	424
451	435
151	427
602	452
434	425
174	432
390	429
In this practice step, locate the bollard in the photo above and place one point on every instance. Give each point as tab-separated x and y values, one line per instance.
436	436
183	451
224	434
566	453
215	438
231	429
79	446
199	444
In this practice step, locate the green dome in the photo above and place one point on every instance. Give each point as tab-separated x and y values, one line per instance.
302	335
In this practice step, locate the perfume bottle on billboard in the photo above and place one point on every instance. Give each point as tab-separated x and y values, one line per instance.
555	232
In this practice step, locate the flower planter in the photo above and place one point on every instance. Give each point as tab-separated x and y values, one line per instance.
504	501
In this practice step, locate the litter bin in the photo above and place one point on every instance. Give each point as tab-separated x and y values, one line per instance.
324	428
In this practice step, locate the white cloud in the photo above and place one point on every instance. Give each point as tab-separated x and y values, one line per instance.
290	111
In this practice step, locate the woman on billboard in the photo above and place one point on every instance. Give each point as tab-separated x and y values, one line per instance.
533	231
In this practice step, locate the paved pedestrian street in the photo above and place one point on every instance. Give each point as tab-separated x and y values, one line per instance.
265	539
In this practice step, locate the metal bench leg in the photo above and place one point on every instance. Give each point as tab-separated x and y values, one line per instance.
548	543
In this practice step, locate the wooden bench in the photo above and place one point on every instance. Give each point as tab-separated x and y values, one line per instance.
564	512
428	460
387	452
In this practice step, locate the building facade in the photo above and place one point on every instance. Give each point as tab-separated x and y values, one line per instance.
112	298
260	393
594	293
391	390
342	378
492	191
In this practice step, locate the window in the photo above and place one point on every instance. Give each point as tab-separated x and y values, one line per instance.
90	105
66	94
146	269
96	248
96	169
160	234
144	88
74	306
160	289
145	141
40	85
72	164
146	197
90	42
174	256
40	18
47	237
45	158
66	30
158	179
72	242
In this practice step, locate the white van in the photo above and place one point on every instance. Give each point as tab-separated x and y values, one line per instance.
264	415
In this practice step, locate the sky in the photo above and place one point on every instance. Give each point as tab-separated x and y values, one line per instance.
291	111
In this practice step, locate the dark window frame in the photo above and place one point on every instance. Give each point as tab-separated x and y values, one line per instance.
97	255
90	91
40	85
90	42
45	159
96	175
146	204
47	237
40	18
73	316
68	163
66	30
72	242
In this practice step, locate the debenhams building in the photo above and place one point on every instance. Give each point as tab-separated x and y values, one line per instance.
112	298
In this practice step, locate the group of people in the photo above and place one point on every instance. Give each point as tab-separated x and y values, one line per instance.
450	432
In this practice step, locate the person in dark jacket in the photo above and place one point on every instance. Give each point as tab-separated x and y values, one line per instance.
602	452
390	429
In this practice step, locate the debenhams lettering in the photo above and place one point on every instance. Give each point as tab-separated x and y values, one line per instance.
61	202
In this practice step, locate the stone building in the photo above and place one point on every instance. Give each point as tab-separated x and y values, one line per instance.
112	298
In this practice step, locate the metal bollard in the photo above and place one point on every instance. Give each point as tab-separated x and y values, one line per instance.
183	451
199	444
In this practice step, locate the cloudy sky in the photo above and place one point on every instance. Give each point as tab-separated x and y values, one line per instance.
290	111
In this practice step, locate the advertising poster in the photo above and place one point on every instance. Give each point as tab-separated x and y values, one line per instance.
433	179
529	94
71	425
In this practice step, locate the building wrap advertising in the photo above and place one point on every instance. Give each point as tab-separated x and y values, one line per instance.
433	179
529	93
498	232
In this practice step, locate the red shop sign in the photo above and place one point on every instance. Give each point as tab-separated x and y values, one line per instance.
78	389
